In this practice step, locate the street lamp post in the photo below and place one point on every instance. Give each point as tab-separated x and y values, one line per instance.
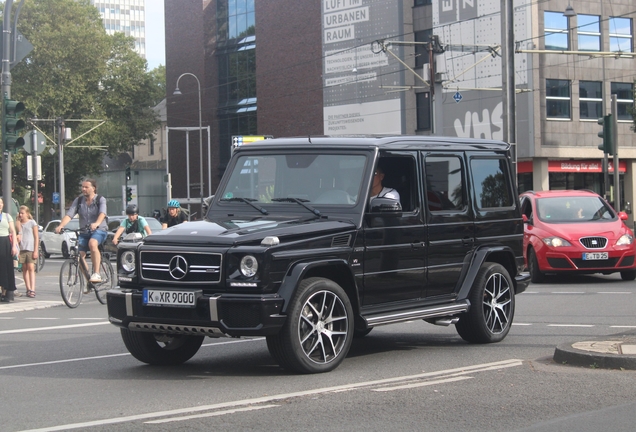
178	92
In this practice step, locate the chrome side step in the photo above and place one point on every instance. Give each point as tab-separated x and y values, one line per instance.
176	329
421	313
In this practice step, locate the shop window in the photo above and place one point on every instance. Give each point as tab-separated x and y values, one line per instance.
620	34
590	100
625	100
557	95
589	32
555	27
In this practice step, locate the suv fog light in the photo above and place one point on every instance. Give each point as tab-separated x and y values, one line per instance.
249	266
127	261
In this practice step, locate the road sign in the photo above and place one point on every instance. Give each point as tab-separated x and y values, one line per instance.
457	96
40	142
56	198
239	140
22	48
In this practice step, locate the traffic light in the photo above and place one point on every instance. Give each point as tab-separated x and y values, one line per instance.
12	125
127	173
128	194
607	134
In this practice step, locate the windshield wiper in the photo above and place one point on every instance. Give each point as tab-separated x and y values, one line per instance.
247	201
299	201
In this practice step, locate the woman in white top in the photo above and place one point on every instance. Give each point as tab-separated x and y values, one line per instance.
8	248
28	236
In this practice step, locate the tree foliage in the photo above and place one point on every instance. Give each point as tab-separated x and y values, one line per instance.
81	74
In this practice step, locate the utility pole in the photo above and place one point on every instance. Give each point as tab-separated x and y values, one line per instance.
508	79
617	177
59	122
7	176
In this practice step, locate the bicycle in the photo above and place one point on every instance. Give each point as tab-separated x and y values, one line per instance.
74	275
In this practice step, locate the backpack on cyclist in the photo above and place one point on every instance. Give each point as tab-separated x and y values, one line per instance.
134	227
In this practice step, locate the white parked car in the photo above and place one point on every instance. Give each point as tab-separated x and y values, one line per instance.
53	243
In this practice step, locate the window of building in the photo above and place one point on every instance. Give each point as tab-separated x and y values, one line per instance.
423	101
151	147
237	78
422	2
421	50
625	99
555	26
234	124
589	32
557	95
590	100
235	19
620	34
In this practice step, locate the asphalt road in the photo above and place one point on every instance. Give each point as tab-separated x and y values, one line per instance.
67	369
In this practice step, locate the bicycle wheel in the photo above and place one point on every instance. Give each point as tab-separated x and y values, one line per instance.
71	283
41	260
108	280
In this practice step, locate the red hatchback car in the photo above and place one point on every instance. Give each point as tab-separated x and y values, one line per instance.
568	231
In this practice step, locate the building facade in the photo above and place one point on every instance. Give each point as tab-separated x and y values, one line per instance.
125	16
425	67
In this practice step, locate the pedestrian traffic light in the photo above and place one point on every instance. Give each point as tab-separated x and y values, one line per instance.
607	134
127	173
128	194
12	125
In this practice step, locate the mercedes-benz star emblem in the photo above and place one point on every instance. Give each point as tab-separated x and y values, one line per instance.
178	267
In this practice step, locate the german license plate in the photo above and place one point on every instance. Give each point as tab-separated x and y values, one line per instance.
153	297
593	256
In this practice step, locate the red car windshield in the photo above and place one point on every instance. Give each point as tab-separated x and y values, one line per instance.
573	209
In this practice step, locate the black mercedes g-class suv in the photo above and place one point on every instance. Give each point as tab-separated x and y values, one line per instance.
294	249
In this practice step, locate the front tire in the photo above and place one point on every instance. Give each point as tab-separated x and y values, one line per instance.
108	281
319	329
536	276
44	252
492	309
628	275
161	349
71	284
65	253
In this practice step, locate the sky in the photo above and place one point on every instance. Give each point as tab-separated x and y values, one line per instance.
155	34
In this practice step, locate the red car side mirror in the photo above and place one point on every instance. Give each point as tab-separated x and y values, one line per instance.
623	216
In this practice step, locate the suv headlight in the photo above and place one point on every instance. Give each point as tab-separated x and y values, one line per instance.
626	239
127	261
556	242
248	266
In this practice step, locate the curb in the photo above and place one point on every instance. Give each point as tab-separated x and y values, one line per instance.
21	305
609	352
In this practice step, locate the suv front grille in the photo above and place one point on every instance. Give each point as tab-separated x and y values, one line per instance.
181	267
593	242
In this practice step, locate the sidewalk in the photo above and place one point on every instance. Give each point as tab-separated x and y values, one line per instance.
47	289
609	352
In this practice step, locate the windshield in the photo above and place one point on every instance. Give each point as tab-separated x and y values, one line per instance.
573	209
312	179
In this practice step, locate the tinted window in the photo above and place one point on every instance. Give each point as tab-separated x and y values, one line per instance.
445	184
490	179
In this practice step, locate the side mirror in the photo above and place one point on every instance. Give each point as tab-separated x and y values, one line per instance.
132	237
623	216
385	205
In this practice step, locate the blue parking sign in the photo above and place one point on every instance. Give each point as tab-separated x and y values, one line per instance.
56	198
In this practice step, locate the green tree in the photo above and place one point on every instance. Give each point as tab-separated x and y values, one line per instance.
78	72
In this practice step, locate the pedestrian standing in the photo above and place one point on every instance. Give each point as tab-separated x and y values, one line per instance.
8	248
28	236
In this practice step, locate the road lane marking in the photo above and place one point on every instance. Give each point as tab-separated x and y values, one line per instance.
570	325
614	292
27	330
567	292
43	318
108	356
212	414
274	398
422	384
521	324
623	326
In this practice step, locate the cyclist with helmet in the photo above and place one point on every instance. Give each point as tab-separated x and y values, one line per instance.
134	223
175	216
